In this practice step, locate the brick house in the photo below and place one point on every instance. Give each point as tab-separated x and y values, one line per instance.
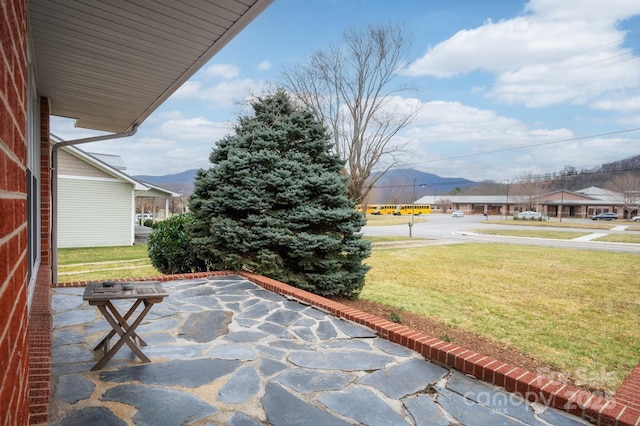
582	203
109	65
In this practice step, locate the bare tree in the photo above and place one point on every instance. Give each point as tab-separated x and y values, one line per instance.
350	88
527	190
628	187
443	204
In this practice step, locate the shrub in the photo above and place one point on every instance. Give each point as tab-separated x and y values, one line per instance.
170	249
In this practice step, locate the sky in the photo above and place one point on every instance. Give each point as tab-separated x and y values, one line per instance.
505	88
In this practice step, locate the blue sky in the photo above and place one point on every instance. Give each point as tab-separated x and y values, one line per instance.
505	88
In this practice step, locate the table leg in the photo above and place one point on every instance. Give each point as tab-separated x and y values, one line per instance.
123	322
125	336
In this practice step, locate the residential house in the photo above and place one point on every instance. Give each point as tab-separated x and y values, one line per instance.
96	200
108	65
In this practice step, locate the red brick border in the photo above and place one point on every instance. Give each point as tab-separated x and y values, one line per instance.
629	391
40	349
619	411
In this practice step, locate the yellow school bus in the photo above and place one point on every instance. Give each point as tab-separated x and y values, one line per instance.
415	209
371	208
380	209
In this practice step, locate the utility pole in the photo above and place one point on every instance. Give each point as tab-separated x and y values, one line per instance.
561	196
413	202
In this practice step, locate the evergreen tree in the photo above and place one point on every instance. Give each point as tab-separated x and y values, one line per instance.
275	203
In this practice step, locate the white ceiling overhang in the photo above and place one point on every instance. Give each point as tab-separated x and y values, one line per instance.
110	64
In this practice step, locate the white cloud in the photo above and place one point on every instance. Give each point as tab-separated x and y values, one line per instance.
583	9
225	71
556	52
158	155
175	145
621	103
264	65
193	129
225	94
454	122
452	139
188	90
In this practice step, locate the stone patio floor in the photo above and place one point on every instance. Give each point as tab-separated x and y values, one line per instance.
228	352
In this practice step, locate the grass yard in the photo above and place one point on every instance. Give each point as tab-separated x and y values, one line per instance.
567	223
104	263
621	238
388	238
575	310
388	219
533	233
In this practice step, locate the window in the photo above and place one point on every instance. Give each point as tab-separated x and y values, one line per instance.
33	179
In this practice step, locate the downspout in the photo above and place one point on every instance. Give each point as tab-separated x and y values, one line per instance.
54	188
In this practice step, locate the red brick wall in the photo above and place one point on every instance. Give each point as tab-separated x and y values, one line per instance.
40	317
45	183
14	362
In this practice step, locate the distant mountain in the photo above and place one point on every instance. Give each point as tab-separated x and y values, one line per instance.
398	186
573	179
394	186
179	182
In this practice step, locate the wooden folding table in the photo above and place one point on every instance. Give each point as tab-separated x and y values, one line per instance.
101	294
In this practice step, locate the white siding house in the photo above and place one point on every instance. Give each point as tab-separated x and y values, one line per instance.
96	202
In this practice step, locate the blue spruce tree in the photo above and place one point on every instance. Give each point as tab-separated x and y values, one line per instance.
275	203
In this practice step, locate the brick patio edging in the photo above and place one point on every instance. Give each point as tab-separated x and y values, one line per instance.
530	386
629	392
40	349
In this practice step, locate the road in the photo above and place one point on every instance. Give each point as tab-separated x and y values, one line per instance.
444	229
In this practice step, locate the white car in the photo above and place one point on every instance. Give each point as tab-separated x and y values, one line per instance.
457	213
636	218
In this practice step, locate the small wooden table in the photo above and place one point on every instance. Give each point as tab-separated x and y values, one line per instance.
101	294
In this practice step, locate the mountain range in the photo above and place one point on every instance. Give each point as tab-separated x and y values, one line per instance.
397	183
180	182
405	185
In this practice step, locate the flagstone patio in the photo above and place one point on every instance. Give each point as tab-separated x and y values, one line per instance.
228	352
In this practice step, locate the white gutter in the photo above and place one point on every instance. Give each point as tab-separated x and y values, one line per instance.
54	188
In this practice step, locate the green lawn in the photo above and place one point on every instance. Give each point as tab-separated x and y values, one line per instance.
101	254
388	219
577	310
555	223
533	233
621	238
104	263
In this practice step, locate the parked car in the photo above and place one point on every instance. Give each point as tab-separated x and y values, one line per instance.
605	216
636	218
529	215
457	213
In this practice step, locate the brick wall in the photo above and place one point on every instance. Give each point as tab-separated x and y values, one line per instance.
45	183
13	215
40	317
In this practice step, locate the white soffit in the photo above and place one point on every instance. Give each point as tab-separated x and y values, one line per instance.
110	64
